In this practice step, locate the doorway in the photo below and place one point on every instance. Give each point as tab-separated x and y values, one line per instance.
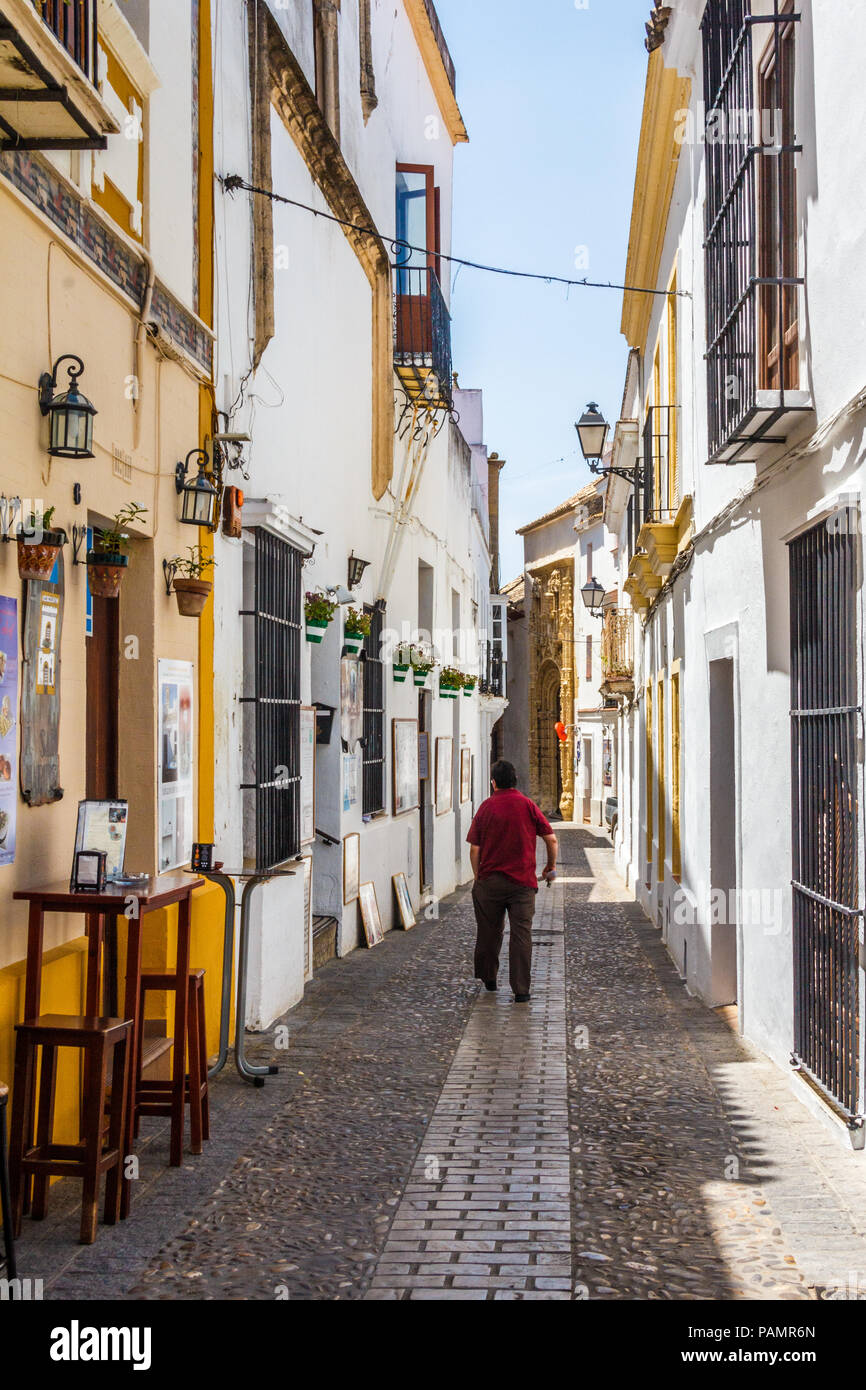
587	780
723	834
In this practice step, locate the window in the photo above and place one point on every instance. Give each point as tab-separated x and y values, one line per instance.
589	658
272	666
676	739
417	217
374	716
660	723
326	44
650	776
750	223
672	401
777	214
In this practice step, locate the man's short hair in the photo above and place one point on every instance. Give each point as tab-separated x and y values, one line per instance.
504	775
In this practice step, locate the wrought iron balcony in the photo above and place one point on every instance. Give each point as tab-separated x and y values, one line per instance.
422	336
48	95
617	657
493	674
659	502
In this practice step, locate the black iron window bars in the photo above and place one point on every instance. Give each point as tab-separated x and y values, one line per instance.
272	796
750	232
373	761
826	721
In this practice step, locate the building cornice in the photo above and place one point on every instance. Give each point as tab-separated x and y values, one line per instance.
272	514
440	80
666	95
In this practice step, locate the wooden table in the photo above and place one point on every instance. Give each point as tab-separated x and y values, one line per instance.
134	903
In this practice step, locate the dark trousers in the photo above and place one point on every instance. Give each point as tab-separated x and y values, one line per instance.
492	897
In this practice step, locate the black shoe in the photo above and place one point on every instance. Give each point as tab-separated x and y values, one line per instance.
522	998
490	985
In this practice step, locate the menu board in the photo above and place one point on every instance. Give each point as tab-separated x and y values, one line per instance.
8	727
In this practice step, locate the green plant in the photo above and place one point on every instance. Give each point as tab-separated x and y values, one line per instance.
452	678
115	541
358	624
195	566
420	660
403	654
318	608
37	521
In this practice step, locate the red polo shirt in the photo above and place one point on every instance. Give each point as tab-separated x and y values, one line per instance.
506	828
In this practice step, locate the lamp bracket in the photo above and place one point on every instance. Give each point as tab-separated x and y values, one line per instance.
182	469
48	380
169	569
79	535
631	475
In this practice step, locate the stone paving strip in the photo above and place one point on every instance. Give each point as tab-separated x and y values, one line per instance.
485	1214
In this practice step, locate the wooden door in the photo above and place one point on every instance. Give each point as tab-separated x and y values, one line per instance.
102	710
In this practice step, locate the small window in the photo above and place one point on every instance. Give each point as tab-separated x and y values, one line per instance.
589	658
374	716
777	214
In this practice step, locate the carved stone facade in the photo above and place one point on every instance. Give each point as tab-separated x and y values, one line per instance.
552	686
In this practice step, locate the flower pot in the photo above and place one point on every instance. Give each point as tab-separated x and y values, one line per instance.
448	692
191	595
469	691
37	557
353	642
400	674
104	572
316	629
420	678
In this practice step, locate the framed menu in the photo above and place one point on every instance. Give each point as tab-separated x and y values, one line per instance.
407	787
102	827
444	775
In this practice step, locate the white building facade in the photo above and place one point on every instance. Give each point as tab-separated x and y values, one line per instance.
334	369
740	548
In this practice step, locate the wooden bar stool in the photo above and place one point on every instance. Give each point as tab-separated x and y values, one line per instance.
158	1097
5	1195
92	1156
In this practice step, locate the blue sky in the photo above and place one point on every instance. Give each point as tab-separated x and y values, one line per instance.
552	97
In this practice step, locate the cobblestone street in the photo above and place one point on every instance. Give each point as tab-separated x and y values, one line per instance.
613	1139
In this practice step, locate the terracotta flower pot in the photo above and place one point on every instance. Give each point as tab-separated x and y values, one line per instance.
105	570
192	595
36	559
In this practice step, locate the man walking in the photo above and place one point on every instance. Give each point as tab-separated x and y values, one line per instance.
503	836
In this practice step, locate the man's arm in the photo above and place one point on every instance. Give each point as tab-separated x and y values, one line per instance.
474	858
552	843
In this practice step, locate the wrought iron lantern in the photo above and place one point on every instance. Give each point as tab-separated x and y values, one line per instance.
71	413
199	495
592	431
356	570
593	597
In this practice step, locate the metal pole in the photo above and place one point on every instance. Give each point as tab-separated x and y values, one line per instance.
246	1069
228	887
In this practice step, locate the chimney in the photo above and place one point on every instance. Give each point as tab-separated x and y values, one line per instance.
495	466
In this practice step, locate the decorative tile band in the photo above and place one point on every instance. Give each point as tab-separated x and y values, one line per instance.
47	191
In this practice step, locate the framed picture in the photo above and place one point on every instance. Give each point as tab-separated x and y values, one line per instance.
102	827
308	775
176	764
465	775
370	914
404	902
404	763
351	868
444	775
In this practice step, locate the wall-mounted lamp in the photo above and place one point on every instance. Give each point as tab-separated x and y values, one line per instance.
592	431
200	495
71	422
356	570
593	597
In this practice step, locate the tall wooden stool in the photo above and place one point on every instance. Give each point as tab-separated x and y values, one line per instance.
92	1156
160	1097
5	1195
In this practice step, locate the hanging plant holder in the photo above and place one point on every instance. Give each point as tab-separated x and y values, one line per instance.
192	595
316	629
353	642
469	690
448	692
37	558
105	570
401	674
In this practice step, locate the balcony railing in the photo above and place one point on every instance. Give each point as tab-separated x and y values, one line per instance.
617	657
422	332
493	673
659	500
73	22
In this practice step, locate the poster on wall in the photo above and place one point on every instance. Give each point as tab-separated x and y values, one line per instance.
175	763
46	656
351	702
607	762
351	780
407	785
8	727
40	676
308	775
444	775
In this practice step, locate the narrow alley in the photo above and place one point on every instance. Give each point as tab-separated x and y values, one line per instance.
424	1140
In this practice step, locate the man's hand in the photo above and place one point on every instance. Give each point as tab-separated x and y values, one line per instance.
552	854
548	876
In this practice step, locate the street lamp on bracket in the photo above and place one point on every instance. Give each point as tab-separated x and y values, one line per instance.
592	431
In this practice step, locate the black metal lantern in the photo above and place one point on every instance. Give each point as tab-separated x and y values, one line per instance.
593	596
356	570
592	430
200	495
71	413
